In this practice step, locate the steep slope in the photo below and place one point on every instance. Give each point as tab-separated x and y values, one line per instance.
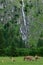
12	10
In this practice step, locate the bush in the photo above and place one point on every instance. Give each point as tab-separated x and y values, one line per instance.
40	51
24	51
32	51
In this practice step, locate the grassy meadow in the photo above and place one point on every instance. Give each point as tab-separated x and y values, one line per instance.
19	61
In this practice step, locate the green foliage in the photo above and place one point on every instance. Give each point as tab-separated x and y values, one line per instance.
1	41
11	43
33	51
10	39
40	42
40	51
30	4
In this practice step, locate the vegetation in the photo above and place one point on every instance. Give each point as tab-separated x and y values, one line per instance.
20	61
11	42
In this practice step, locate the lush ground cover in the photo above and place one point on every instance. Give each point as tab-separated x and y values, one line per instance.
19	61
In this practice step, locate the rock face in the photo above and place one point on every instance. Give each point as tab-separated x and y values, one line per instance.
7	11
1	6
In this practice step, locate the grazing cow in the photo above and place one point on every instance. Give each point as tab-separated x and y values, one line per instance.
36	57
29	58
13	60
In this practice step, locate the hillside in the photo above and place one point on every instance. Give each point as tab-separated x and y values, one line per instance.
11	12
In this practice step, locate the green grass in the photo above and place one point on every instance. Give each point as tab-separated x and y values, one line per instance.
20	61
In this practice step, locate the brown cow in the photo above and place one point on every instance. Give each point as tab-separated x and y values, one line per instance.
29	58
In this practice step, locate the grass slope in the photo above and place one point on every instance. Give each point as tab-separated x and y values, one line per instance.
20	61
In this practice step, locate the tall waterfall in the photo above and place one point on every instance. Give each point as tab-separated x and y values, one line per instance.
23	27
23	13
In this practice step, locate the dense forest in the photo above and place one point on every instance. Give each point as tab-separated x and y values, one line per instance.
21	27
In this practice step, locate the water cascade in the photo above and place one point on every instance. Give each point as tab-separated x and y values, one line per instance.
23	27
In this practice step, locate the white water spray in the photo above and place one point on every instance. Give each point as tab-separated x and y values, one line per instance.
23	27
23	13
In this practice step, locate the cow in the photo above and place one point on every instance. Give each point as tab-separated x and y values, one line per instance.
29	58
12	59
37	57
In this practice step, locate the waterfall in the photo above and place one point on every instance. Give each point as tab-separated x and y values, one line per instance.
23	13
23	28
